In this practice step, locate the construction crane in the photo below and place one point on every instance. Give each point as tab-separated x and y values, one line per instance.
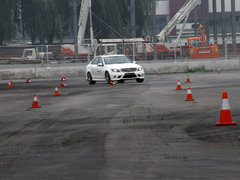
82	21
197	46
179	16
85	12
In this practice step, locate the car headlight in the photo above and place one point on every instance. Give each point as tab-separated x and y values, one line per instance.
140	69
115	70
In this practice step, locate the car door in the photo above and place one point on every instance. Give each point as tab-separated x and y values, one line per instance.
100	70
93	68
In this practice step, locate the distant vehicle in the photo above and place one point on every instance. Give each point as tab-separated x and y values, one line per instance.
30	54
33	54
198	47
113	68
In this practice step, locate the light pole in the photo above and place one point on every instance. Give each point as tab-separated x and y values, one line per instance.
154	34
233	25
133	19
75	27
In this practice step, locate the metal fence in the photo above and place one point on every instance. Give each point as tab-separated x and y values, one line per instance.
45	54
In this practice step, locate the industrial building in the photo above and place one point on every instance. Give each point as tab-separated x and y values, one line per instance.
220	18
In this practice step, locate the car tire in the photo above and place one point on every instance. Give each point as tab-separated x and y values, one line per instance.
107	77
139	80
120	81
89	77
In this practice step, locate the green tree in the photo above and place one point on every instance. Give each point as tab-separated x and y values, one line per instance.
30	17
63	19
143	12
117	14
7	9
45	19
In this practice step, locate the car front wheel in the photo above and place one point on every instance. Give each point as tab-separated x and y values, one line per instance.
139	80
89	77
107	77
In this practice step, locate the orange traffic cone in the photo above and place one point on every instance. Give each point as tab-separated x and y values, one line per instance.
28	80
225	115
179	87
63	85
188	80
219	71
112	83
63	79
9	84
35	102
189	95
56	92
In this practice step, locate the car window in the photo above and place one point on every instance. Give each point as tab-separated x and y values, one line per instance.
100	60
117	60
95	61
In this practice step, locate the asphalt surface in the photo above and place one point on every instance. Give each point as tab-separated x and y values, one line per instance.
127	131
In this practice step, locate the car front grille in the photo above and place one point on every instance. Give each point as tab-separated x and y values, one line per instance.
129	69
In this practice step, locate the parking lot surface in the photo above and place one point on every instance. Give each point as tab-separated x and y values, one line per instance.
127	131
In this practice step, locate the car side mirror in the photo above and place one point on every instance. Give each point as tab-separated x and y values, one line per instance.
135	62
100	64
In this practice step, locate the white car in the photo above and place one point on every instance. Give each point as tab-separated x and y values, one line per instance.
113	68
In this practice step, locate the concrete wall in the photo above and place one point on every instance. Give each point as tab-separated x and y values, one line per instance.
180	67
53	72
150	68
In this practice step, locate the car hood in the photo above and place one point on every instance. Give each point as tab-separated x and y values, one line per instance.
121	66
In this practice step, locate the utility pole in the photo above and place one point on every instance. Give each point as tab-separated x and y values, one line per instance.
223	23
207	24
205	17
233	26
133	19
214	21
75	28
154	34
91	27
195	21
203	14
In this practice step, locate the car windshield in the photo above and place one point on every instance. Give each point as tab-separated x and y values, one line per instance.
195	42
117	60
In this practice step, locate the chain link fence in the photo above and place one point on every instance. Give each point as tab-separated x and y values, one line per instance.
45	54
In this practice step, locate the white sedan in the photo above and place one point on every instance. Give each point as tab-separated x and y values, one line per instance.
113	68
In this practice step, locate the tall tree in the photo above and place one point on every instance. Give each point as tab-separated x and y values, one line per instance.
63	19
31	17
116	14
143	12
45	19
7	8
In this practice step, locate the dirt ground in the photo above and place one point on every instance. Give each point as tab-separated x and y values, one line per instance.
127	131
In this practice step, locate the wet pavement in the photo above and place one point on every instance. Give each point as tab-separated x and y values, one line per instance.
126	131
